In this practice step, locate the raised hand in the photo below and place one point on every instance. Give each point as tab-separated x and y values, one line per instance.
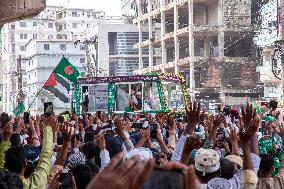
248	114
250	124
193	114
131	174
217	122
20	125
163	160
67	133
233	135
192	117
100	142
171	123
192	143
7	132
226	147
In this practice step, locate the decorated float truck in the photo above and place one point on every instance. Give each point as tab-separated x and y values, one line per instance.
139	93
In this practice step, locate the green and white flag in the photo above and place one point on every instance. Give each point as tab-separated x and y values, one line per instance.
67	70
19	109
257	108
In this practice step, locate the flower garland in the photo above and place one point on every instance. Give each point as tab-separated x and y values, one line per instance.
162	98
174	77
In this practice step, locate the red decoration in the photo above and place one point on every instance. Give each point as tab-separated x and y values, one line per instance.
51	82
68	70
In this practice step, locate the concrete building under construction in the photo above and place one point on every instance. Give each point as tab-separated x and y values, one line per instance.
210	42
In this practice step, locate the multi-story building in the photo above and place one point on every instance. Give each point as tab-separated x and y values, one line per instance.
54	22
42	57
1	76
128	8
110	46
270	30
209	41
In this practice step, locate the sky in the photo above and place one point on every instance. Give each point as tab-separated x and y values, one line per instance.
111	7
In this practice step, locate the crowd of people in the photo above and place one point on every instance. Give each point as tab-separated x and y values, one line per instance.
229	150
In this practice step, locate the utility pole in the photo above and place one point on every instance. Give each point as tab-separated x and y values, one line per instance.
19	76
88	56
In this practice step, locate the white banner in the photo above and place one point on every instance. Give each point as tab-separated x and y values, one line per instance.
98	98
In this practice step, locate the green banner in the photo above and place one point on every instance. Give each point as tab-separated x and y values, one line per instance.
111	97
19	109
76	99
161	96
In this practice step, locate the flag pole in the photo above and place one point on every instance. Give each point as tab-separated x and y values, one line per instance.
41	89
35	98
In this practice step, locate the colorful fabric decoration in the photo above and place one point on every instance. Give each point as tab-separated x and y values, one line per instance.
268	118
267	146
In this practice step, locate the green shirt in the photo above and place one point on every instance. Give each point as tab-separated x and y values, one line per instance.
4	146
38	178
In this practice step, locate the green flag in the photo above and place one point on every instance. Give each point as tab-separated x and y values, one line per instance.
67	70
257	108
19	109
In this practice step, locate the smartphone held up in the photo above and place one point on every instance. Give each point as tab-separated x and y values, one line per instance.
48	109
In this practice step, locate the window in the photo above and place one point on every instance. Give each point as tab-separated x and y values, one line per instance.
23	36
82	60
23	24
34	36
13	48
50	37
88	14
74	37
82	47
60	15
74	14
29	63
34	24
22	48
50	25
59	27
59	36
74	25
46	46
63	47
35	74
